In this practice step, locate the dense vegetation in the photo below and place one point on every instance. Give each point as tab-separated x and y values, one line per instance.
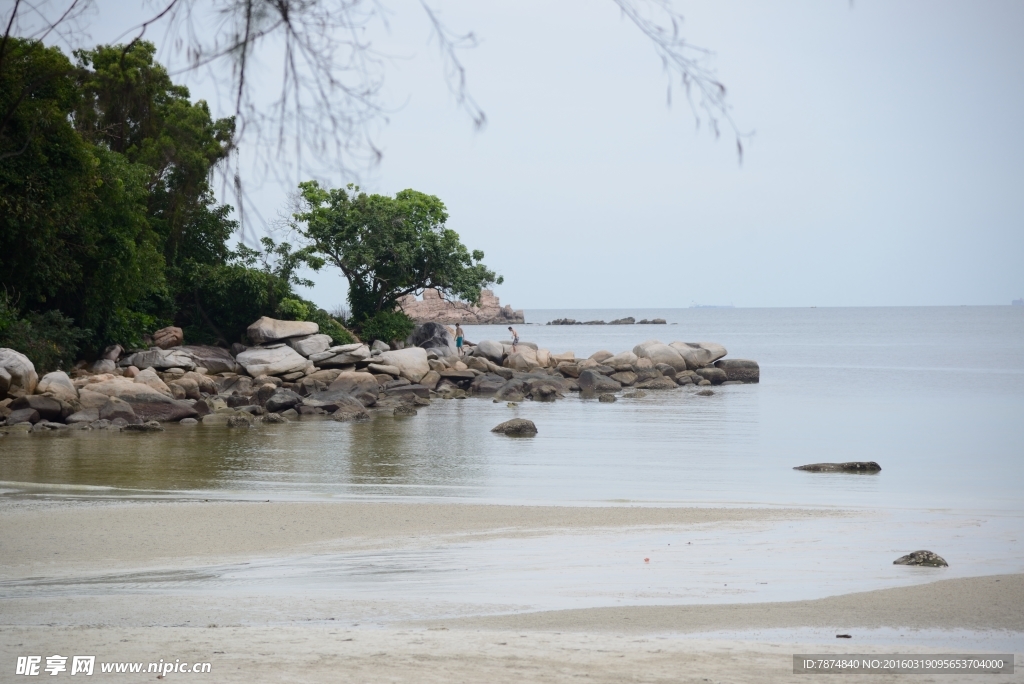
109	228
108	225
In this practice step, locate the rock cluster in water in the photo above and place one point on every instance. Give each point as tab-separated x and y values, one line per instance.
926	558
629	320
294	370
434	308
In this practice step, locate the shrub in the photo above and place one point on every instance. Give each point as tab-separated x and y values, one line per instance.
387	326
50	340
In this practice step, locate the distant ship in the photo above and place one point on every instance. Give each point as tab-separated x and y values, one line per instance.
1018	302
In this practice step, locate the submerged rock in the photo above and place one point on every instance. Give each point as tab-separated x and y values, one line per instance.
516	427
850	467
607	398
926	558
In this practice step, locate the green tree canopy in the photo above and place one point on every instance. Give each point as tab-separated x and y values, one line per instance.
388	247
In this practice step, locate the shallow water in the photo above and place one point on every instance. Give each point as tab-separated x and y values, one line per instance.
935	395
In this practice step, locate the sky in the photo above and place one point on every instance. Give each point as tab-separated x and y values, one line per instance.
884	164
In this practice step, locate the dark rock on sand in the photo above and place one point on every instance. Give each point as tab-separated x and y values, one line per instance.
927	558
515	427
850	467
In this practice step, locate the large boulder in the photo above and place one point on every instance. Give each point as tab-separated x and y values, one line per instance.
922	557
24	415
516	427
743	370
412	362
341	355
5	382
491	350
165	338
621	362
433	337
487	385
307	345
361	386
699	354
282	400
592	381
21	371
59	385
148	403
716	376
525	359
160	359
149	378
117	408
214	359
277	359
267	330
660	353
48	407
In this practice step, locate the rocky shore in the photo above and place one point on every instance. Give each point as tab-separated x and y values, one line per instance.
293	370
434	308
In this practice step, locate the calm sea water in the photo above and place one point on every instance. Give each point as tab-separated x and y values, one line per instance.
935	395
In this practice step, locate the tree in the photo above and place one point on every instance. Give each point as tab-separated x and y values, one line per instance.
388	247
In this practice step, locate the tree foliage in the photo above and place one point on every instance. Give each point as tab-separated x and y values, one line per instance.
388	247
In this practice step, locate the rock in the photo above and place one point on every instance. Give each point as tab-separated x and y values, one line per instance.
149	378
361	386
23	415
628	320
592	381
462	378
849	467
491	350
405	411
544	392
159	359
131	372
188	421
265	391
242	420
431	379
716	376
307	345
600	356
268	330
393	371
148	426
653	321
487	385
624	378
634	394
391	383
433	337
927	558
277	359
118	408
621	362
89	399
409	390
236	349
147	403
281	400
661	383
19	369
742	370
606	398
165	338
113	352
271	418
242	384
59	385
699	354
525	359
568	370
412	362
661	353
103	366
705	393
48	408
704	383
88	415
516	427
214	359
216	419
435	308
5	382
349	412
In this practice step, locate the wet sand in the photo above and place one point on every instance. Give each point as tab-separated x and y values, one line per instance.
315	638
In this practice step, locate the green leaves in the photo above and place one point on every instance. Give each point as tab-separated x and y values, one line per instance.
388	247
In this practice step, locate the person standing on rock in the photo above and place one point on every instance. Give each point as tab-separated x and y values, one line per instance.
515	338
459	335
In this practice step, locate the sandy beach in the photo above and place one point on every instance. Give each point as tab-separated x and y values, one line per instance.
60	552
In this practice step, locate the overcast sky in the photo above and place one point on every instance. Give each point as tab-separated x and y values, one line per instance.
886	165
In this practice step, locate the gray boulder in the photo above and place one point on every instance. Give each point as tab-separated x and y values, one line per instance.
606	398
926	558
159	359
592	381
307	345
268	330
213	359
278	359
19	369
380	346
742	370
628	320
624	378
24	415
59	385
490	350
84	416
165	338
282	400
361	386
716	376
516	427
103	366
411	362
659	383
623	361
433	337
487	385
118	408
660	353
47	407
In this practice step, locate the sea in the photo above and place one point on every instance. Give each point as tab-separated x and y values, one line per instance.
934	395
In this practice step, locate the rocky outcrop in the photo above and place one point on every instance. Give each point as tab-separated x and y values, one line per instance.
516	427
926	558
18	372
435	338
742	370
849	467
435	308
269	330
